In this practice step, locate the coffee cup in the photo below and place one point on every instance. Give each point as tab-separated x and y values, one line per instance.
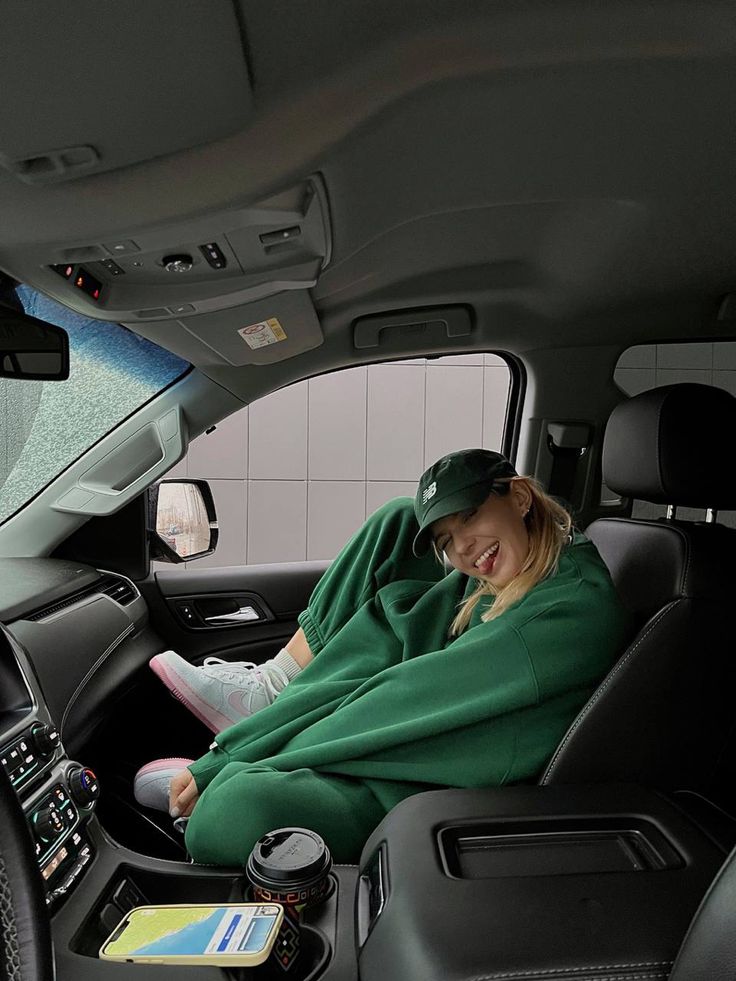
289	866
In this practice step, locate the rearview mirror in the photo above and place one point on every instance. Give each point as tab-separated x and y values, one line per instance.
31	348
182	522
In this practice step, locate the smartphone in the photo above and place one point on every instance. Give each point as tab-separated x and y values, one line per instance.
241	934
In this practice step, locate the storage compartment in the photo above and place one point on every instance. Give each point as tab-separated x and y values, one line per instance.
530	882
133	886
572	847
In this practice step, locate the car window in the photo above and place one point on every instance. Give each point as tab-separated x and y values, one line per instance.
297	472
45	426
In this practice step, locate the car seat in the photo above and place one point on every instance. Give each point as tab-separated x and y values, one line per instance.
664	713
708	952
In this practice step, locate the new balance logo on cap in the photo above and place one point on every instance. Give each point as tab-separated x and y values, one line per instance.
429	492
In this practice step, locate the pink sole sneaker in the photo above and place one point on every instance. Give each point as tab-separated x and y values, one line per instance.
151	782
179	688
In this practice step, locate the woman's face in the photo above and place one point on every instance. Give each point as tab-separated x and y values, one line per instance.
489	542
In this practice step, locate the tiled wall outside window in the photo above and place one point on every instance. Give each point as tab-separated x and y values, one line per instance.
297	472
651	365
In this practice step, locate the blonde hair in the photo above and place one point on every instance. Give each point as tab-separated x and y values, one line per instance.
548	526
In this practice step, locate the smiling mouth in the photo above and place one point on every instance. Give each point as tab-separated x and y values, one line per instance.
488	556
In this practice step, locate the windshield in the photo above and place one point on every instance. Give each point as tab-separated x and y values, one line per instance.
45	426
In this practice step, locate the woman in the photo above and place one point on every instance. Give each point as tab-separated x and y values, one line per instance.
408	679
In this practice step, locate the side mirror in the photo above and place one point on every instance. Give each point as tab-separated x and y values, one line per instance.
182	522
31	348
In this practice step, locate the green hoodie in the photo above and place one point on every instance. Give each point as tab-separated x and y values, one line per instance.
390	706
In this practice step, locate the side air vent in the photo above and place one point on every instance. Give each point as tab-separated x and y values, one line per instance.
121	590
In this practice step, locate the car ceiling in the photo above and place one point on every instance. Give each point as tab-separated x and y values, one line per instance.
564	169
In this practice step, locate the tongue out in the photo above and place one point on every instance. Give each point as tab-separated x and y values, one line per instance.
486	566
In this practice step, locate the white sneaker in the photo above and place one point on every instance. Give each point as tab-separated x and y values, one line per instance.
151	783
220	693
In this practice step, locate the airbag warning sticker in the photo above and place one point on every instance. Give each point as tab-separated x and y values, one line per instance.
266	332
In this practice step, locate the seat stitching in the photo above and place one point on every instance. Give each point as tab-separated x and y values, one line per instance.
563	972
564	975
688	555
628	966
688	552
603	686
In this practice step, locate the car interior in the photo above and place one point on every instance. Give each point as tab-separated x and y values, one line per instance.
263	193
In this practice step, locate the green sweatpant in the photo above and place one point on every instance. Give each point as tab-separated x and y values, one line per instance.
259	797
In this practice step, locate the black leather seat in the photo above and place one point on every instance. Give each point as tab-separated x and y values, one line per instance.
708	952
664	714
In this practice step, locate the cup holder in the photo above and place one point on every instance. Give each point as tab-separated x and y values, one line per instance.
133	886
314	956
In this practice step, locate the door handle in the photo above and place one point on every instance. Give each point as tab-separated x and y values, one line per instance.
244	615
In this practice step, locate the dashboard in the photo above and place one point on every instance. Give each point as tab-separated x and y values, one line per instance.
58	795
71	633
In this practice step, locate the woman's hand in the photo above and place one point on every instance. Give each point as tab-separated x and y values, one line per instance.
183	794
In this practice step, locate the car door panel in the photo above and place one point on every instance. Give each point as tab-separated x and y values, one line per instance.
238	612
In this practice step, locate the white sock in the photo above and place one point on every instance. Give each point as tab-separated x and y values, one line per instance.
288	665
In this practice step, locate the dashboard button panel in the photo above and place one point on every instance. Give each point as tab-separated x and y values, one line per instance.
27	756
52	818
83	786
65	867
57	821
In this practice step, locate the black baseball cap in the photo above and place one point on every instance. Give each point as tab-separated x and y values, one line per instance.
455	483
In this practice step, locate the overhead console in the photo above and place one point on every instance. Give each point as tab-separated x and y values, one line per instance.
196	266
228	289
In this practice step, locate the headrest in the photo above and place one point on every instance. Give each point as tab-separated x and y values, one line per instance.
666	446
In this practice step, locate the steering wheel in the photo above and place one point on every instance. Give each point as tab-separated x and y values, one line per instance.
26	953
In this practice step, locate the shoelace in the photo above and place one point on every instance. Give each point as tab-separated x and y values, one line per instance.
258	675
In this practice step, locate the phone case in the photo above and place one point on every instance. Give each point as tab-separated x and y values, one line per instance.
236	959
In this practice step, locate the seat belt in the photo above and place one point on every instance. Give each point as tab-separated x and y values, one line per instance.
567	442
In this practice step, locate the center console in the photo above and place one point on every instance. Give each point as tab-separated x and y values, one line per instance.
118	879
58	817
533	883
519	884
91	881
528	883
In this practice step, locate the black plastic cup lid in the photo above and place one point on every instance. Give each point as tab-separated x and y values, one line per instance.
288	856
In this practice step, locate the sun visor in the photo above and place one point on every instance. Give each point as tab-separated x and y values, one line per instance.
117	83
270	330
